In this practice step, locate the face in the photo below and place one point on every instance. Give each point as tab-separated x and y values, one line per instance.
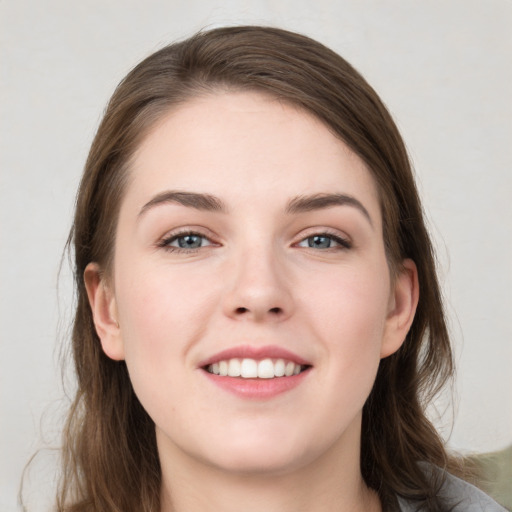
250	244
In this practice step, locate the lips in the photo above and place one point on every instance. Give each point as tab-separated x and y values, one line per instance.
256	372
256	353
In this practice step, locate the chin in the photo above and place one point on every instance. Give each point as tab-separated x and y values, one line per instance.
259	462
261	454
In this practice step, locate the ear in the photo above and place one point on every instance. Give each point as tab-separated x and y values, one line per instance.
402	307
104	312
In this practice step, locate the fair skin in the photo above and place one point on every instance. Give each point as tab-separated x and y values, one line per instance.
224	245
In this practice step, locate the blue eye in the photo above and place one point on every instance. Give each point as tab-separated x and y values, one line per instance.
324	241
189	241
319	242
185	242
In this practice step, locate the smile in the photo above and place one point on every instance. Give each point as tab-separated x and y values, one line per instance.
256	372
252	369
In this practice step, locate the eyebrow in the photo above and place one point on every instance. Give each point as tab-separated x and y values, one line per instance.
299	204
302	204
205	202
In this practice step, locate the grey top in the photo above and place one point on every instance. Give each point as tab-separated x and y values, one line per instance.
463	496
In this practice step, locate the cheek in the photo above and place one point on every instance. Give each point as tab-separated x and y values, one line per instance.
351	320
162	314
353	303
158	302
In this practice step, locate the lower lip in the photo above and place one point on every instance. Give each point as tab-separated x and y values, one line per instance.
257	389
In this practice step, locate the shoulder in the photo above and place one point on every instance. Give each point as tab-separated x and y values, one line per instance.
468	497
460	496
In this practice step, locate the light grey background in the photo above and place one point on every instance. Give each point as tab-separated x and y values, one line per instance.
442	66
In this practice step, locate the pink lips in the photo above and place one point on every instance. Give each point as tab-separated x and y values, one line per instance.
257	353
256	389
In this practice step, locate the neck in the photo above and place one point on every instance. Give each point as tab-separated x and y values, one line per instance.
332	483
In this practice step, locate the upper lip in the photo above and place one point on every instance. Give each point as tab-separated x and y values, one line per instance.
257	353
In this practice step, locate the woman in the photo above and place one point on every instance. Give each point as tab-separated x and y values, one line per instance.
259	320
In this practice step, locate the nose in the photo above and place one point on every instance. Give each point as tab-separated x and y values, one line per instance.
259	289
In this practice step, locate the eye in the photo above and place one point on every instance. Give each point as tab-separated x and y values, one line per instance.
325	241
186	242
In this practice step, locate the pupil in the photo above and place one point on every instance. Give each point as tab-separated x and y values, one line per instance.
322	242
189	241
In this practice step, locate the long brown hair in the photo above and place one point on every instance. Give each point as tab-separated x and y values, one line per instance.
110	460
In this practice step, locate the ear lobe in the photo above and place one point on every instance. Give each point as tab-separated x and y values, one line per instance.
104	312
403	303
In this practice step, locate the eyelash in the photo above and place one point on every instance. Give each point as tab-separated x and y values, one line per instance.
165	242
342	243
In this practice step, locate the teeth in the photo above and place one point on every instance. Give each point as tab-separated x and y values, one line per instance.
234	368
248	368
266	369
223	368
279	368
251	369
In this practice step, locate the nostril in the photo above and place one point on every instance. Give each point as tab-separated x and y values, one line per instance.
273	311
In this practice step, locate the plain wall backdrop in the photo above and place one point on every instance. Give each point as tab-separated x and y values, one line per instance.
444	69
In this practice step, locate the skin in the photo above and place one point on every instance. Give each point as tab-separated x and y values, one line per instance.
254	281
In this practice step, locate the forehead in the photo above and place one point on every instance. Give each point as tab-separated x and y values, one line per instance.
245	147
